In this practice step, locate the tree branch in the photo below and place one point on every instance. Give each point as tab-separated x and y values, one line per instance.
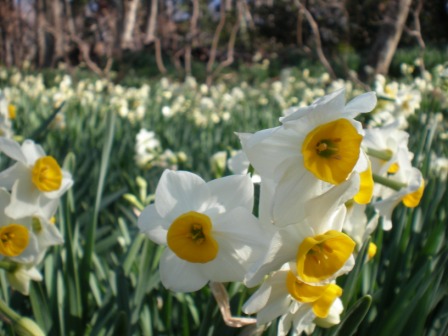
317	40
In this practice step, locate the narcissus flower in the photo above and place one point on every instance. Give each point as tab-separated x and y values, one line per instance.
34	178
208	228
316	147
17	241
20	278
298	304
314	242
409	188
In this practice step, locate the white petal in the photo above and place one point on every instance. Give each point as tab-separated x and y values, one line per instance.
331	104
282	248
365	102
179	192
284	325
24	199
32	151
10	175
179	275
5	199
363	162
12	149
303	319
20	278
233	191
268	150
292	194
31	253
224	268
279	299
151	224
48	207
386	207
49	235
262	296
321	208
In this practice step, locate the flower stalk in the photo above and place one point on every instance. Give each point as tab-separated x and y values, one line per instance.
395	185
22	326
384	155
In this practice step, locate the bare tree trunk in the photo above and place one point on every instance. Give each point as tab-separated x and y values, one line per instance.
151	27
317	40
151	35
70	21
385	45
192	36
230	46
8	23
215	42
59	32
127	40
417	33
41	32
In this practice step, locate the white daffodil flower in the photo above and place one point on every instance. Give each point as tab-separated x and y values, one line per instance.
208	228
17	241
410	187
382	144
44	228
284	295
317	146
20	278
33	179
310	239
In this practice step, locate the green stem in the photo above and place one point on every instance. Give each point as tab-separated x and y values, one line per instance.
8	265
395	185
22	326
385	154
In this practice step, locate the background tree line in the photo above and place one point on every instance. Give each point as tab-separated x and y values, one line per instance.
119	34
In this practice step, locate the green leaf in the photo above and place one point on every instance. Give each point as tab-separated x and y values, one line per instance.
354	316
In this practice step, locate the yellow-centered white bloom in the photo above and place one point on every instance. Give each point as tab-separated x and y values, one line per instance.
314	242
317	147
17	240
33	179
297	304
208	228
412	186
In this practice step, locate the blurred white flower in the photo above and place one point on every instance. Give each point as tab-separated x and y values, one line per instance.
33	179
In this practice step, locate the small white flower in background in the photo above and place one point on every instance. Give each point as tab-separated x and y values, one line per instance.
5	117
210	234
147	147
33	179
167	112
218	163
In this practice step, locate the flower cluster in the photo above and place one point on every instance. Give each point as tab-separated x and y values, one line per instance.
29	196
318	171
